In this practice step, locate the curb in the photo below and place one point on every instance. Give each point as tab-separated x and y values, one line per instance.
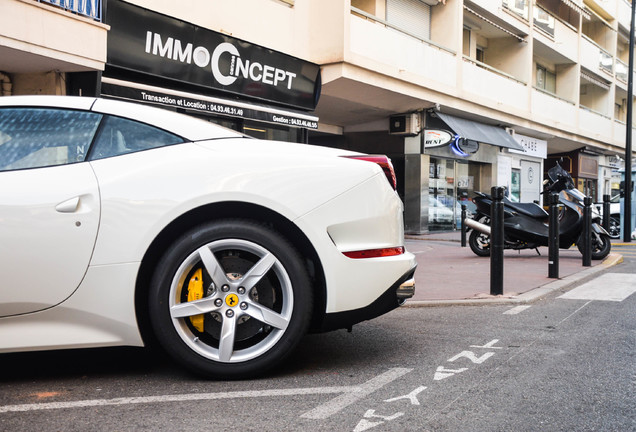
531	296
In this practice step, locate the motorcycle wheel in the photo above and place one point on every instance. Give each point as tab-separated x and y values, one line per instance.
601	246
614	228
479	243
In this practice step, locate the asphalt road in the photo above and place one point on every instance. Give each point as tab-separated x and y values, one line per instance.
561	364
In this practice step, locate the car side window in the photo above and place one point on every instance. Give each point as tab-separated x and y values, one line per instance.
119	136
42	137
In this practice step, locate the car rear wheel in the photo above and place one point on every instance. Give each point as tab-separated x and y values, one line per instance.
230	299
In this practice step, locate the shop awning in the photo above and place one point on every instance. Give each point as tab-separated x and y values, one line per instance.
574	5
596	81
480	132
494	24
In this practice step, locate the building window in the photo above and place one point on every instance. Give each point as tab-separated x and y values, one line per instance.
411	16
466	42
546	80
480	54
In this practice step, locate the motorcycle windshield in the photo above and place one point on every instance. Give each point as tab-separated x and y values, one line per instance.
557	172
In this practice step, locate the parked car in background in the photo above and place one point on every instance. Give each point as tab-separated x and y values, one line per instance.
122	223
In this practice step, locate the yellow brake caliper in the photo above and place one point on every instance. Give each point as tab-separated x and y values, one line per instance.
195	292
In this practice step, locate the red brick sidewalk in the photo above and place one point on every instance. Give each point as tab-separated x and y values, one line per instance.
447	271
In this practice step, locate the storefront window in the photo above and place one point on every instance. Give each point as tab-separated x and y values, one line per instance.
515	186
451	185
441	195
271	132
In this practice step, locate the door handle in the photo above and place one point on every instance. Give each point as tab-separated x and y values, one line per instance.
68	206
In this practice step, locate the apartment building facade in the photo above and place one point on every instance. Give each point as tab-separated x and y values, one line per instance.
461	94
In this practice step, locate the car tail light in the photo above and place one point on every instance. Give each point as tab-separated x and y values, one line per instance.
375	253
385	164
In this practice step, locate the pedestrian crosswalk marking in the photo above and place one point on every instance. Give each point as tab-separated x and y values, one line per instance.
516	310
607	287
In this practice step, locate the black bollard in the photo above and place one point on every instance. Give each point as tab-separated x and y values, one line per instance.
553	236
463	225
587	232
606	212
496	241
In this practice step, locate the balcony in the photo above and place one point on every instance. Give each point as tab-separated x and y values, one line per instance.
606	8
517	7
624	12
51	38
487	85
595	124
596	59
553	110
556	36
88	8
622	73
619	133
378	46
512	12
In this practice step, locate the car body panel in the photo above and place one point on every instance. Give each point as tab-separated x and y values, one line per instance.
49	222
180	181
356	283
100	313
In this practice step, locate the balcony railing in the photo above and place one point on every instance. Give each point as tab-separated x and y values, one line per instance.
373	18
519	7
543	20
606	62
88	8
622	70
596	58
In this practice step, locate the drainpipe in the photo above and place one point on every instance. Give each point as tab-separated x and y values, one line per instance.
6	84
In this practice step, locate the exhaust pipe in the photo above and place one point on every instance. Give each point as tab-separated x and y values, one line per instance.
405	291
477	226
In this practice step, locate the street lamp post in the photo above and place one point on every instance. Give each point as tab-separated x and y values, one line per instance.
627	207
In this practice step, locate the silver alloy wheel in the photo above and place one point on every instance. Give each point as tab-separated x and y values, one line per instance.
232	298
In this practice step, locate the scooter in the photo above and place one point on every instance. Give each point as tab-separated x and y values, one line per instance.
526	224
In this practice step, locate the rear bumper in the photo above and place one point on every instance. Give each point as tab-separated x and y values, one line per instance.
396	295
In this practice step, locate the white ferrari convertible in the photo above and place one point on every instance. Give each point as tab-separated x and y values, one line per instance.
122	224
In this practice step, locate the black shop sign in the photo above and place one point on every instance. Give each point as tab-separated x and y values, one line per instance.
145	41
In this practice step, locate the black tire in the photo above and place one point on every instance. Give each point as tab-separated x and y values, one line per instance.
601	246
254	306
479	243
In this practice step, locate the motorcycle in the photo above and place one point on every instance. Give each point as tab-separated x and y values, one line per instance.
526	224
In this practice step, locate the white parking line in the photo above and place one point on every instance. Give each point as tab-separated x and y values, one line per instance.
515	310
349	395
335	405
174	398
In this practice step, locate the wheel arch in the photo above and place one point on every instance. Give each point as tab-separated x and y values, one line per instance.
228	210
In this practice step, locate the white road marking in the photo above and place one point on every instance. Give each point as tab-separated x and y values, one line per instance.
365	424
607	287
411	396
355	394
443	373
174	398
515	310
349	395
